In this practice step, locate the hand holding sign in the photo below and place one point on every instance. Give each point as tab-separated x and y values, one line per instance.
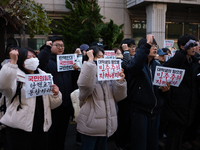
14	56
165	88
75	66
122	75
90	55
55	89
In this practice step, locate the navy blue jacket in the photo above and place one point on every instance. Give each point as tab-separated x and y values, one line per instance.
64	80
144	96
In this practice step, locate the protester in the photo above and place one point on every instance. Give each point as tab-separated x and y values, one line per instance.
64	80
179	108
166	50
99	44
27	120
97	118
146	99
161	56
118	53
84	48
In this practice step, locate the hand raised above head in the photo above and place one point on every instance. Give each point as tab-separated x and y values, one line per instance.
13	56
149	38
124	47
49	43
90	55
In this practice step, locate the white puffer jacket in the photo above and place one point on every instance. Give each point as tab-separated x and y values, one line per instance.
23	118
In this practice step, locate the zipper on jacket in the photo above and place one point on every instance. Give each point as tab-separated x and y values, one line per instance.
152	89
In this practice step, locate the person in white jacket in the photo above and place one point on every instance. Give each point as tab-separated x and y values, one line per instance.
27	121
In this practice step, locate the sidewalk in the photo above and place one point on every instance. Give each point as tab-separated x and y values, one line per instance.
70	142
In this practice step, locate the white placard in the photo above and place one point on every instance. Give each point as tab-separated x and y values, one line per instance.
109	54
173	52
65	62
168	43
38	84
108	69
168	57
163	75
5	61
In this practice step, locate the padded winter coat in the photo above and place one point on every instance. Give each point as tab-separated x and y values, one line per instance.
98	114
23	118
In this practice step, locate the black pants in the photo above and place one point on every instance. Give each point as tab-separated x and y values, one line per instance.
57	132
175	133
21	140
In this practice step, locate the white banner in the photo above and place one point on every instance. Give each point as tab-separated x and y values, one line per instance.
168	43
38	84
109	54
108	69
163	75
65	62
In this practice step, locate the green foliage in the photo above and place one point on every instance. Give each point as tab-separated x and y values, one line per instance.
4	2
84	25
111	34
28	13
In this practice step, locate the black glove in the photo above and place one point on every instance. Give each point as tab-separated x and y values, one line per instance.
190	44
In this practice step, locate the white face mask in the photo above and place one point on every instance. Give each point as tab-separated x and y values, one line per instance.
31	64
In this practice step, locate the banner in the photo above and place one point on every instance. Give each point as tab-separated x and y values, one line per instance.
163	75
65	62
108	69
168	43
38	84
109	54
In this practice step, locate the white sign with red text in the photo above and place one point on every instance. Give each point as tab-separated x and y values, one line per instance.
109	54
108	69
65	62
38	84
163	75
168	43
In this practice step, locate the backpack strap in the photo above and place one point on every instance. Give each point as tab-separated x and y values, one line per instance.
18	92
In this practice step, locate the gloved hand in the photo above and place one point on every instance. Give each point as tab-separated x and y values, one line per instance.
189	44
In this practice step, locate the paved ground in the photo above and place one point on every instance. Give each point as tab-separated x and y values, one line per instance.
70	143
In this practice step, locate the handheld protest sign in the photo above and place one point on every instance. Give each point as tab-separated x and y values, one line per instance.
109	54
168	43
163	75
65	62
173	52
108	69
38	84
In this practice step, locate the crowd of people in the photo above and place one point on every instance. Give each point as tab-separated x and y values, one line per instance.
136	112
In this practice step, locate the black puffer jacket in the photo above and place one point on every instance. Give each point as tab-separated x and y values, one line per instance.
144	96
64	80
180	106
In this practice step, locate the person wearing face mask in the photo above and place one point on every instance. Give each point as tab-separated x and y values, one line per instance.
27	120
97	118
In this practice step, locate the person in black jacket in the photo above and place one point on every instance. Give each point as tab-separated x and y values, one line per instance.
179	108
64	80
146	98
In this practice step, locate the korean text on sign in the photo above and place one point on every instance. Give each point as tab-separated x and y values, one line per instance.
109	54
171	75
108	69
168	43
38	84
65	62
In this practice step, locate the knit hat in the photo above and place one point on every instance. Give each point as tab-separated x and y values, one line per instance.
84	47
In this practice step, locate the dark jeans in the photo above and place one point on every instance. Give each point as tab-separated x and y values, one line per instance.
57	132
144	131
93	142
21	140
175	133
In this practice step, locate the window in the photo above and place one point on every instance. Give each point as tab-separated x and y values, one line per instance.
35	44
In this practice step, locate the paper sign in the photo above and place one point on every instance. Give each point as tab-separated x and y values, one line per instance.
173	52
163	75
108	69
168	57
65	62
109	54
168	43
38	84
5	61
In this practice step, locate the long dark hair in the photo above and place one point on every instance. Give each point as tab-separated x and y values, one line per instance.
95	49
23	53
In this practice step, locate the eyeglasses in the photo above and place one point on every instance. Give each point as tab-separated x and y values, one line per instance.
59	46
155	46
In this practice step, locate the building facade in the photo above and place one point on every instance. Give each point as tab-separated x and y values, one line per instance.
165	19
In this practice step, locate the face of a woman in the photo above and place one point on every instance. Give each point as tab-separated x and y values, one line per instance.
99	55
118	52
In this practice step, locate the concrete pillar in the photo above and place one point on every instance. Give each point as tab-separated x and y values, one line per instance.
156	18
